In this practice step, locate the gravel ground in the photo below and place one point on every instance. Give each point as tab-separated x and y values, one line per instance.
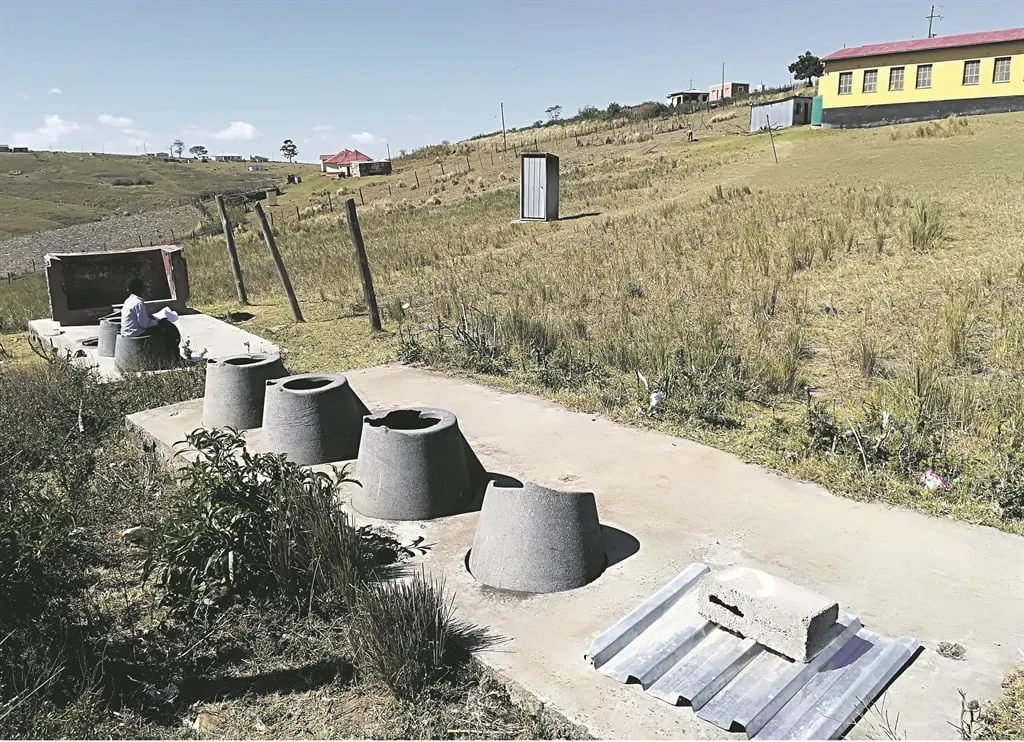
154	227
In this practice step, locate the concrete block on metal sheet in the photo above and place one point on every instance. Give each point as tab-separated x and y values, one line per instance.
144	353
787	618
236	387
537	540
412	465
312	418
110	329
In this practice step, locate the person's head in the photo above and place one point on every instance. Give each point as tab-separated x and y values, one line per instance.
134	286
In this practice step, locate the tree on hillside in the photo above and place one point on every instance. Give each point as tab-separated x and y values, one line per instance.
614	110
807	67
553	112
289	149
197	151
177	147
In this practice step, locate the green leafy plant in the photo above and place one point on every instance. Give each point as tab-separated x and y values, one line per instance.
253	526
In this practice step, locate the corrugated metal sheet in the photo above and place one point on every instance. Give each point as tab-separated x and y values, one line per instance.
533	187
936	42
740	685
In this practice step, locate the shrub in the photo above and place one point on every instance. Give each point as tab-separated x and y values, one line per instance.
403	634
253	526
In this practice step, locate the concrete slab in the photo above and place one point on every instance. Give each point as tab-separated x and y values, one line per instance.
206	336
901	572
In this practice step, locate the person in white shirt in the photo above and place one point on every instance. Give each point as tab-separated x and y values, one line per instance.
135	320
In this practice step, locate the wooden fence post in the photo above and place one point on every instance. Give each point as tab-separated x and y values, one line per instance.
442	168
389	190
469	168
298	217
361	199
268	237
364	264
229	237
417	176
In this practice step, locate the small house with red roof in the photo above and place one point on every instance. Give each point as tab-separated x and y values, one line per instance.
921	79
353	163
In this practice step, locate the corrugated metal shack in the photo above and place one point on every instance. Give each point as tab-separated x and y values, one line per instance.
781	114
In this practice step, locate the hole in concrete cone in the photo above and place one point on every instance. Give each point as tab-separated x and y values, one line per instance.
731	608
406	420
306	384
243	361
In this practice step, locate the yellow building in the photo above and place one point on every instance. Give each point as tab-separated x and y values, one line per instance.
924	79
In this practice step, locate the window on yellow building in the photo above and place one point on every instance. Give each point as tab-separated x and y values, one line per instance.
896	78
972	72
924	75
845	83
1001	73
870	81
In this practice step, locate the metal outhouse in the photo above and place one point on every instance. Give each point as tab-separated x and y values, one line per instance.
538	189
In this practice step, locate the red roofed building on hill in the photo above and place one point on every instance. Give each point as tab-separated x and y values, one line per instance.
340	162
921	79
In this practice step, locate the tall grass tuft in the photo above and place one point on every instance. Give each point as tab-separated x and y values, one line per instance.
925	229
405	636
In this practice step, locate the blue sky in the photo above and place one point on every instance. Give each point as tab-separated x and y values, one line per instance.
239	76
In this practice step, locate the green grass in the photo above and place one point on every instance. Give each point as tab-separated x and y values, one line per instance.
62	189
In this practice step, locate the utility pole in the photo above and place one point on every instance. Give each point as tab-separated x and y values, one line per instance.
504	140
389	150
721	94
932	17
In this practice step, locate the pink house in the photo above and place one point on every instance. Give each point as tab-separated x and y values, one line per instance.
732	90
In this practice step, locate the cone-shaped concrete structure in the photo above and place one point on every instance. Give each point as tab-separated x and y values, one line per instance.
144	353
412	466
312	418
110	328
236	387
536	540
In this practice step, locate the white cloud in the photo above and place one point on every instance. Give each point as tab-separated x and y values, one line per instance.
50	134
413	117
55	91
323	128
365	137
236	131
118	122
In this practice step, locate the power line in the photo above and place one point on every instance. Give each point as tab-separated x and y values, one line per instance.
932	17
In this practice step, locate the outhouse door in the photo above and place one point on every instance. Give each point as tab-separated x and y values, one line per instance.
534	193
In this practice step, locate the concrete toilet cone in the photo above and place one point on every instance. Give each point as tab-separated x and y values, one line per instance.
143	353
312	418
412	466
536	540
236	387
110	328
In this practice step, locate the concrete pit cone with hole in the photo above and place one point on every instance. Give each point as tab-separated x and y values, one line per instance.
312	418
413	465
236	388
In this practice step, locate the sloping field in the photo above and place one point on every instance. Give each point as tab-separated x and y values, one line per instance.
44	190
851	315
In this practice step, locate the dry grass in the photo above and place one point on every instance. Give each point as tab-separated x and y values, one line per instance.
738	286
837	270
60	189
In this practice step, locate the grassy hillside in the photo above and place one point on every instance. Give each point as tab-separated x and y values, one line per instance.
54	190
853	315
